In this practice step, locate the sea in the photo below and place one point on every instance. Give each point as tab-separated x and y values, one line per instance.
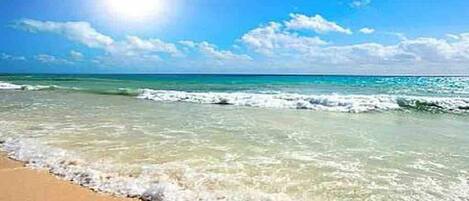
243	137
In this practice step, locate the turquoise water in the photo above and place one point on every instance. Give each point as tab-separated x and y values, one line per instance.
332	93
232	137
421	86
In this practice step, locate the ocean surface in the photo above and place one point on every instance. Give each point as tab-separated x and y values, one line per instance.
244	137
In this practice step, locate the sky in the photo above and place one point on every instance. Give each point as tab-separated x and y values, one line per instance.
372	37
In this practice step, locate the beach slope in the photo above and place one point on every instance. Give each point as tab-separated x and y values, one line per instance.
20	183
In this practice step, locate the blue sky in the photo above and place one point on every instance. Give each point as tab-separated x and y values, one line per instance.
235	36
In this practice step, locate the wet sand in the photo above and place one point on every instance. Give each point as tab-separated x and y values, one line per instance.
18	183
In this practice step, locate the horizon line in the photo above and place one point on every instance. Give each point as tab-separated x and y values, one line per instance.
246	74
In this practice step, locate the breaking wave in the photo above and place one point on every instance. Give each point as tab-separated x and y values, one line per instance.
338	103
329	102
119	91
6	86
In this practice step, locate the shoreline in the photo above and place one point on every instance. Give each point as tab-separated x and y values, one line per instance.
18	182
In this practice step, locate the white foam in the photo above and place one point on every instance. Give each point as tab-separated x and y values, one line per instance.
5	85
331	102
339	103
103	176
38	87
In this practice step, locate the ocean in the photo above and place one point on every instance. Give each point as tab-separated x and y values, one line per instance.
244	137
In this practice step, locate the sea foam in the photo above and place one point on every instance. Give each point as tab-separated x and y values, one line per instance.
5	85
334	102
9	86
99	176
103	175
321	102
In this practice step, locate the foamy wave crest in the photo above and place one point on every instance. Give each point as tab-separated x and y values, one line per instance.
339	103
108	177
333	102
6	86
119	91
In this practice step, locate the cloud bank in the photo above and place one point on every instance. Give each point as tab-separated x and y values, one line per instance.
292	45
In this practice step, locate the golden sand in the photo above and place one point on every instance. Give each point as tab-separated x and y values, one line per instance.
18	183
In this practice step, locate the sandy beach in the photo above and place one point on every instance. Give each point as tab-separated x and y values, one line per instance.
19	183
234	137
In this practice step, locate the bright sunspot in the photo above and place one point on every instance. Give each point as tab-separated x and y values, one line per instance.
135	9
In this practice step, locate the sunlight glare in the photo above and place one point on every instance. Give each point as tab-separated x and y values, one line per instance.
135	9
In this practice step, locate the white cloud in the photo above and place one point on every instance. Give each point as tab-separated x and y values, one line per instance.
276	45
428	49
9	57
132	49
49	59
452	36
432	50
362	54
206	54
136	46
141	53
272	38
77	31
422	51
212	51
75	55
314	23
283	47
83	32
366	30
401	36
360	3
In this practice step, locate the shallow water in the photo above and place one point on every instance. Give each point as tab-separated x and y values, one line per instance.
188	151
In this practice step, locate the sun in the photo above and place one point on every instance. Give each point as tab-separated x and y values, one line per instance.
135	9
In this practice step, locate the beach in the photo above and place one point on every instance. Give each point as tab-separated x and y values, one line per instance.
237	138
234	100
20	183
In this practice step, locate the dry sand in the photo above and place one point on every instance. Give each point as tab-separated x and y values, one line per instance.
18	183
